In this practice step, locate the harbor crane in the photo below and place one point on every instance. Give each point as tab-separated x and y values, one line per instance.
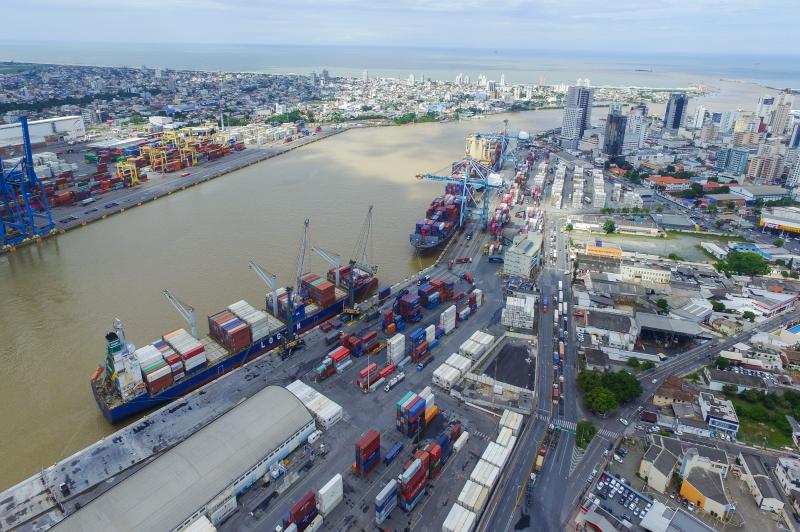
301	256
27	213
331	258
473	176
186	311
271	281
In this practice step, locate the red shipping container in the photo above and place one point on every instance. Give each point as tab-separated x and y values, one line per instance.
388	370
455	431
424	457
303	507
372	368
339	354
368	442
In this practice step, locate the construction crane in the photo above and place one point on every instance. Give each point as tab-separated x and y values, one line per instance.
271	281
473	176
27	213
186	311
331	258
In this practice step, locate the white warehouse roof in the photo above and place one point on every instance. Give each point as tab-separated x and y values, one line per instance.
166	491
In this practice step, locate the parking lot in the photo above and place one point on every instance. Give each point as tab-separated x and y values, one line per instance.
618	498
769	377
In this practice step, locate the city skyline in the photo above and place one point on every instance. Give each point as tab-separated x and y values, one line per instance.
513	24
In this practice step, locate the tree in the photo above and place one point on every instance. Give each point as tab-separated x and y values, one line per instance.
717	306
748	315
722	363
729	390
647	365
659	209
601	400
731	205
588	380
663	305
609	226
569	227
624	386
584	432
712	209
784	273
778	242
674	256
136	119
743	263
794	275
633	362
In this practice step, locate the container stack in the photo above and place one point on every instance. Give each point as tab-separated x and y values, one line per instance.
434	451
304	511
477	296
430	404
413	480
386	501
353	343
368	453
473	497
229	330
418	345
459	519
192	352
410	308
471	350
341	359
485	474
447	320
512	420
483	339
519	312
506	438
463	313
370	342
410	414
430	336
396	348
368	377
326	412
496	454
445	289
445	376
429	295
330	495
257	320
155	370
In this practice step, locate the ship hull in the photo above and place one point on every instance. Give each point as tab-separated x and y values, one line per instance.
137	405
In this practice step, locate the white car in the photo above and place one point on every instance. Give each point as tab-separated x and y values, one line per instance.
654	381
623	421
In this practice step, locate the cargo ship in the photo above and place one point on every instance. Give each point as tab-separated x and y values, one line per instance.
134	380
441	220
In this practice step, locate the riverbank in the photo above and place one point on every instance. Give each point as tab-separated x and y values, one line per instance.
161	185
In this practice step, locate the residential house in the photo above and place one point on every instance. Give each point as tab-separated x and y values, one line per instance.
726	326
705	489
760	484
716	379
787	471
658	464
675	390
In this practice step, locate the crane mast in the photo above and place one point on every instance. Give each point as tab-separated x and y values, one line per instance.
271	281
186	311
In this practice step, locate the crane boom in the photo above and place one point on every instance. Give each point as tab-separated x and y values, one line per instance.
271	281
331	258
186	311
301	255
362	256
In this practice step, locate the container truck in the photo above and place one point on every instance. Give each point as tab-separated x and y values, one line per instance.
545	302
540	459
561	348
560	285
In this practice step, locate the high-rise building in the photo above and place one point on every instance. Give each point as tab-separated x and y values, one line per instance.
615	134
676	109
411	79
365	76
577	116
794	138
314	78
726	121
460	78
502	80
780	117
793	180
765	104
325	75
699	117
732	160
765	168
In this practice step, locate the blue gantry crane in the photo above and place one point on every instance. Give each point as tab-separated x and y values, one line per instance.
26	214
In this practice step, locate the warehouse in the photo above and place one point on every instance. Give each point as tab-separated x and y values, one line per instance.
204	473
42	132
524	255
781	218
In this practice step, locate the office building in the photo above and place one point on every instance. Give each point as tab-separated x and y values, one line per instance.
794	138
793	179
780	115
676	109
726	120
699	117
615	134
765	105
732	160
719	414
765	168
577	116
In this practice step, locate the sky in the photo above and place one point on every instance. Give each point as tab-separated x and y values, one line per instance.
670	26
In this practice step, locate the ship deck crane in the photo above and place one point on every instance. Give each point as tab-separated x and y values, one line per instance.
271	281
331	258
27	214
361	258
186	311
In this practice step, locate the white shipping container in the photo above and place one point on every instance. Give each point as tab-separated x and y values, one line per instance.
473	496
330	495
461	441
504	437
315	524
496	454
445	376
485	474
512	420
201	524
456	518
430	333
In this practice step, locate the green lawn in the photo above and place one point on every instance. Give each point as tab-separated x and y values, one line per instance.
753	426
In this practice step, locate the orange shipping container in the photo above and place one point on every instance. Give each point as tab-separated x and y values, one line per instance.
430	414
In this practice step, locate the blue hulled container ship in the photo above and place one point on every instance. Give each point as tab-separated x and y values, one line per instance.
135	380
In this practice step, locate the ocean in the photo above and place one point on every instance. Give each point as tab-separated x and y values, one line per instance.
518	66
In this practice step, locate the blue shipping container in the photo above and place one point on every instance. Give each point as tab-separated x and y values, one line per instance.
393	452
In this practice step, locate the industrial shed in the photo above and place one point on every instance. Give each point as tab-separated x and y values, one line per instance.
214	464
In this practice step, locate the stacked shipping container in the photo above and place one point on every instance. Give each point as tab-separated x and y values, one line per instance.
368	453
